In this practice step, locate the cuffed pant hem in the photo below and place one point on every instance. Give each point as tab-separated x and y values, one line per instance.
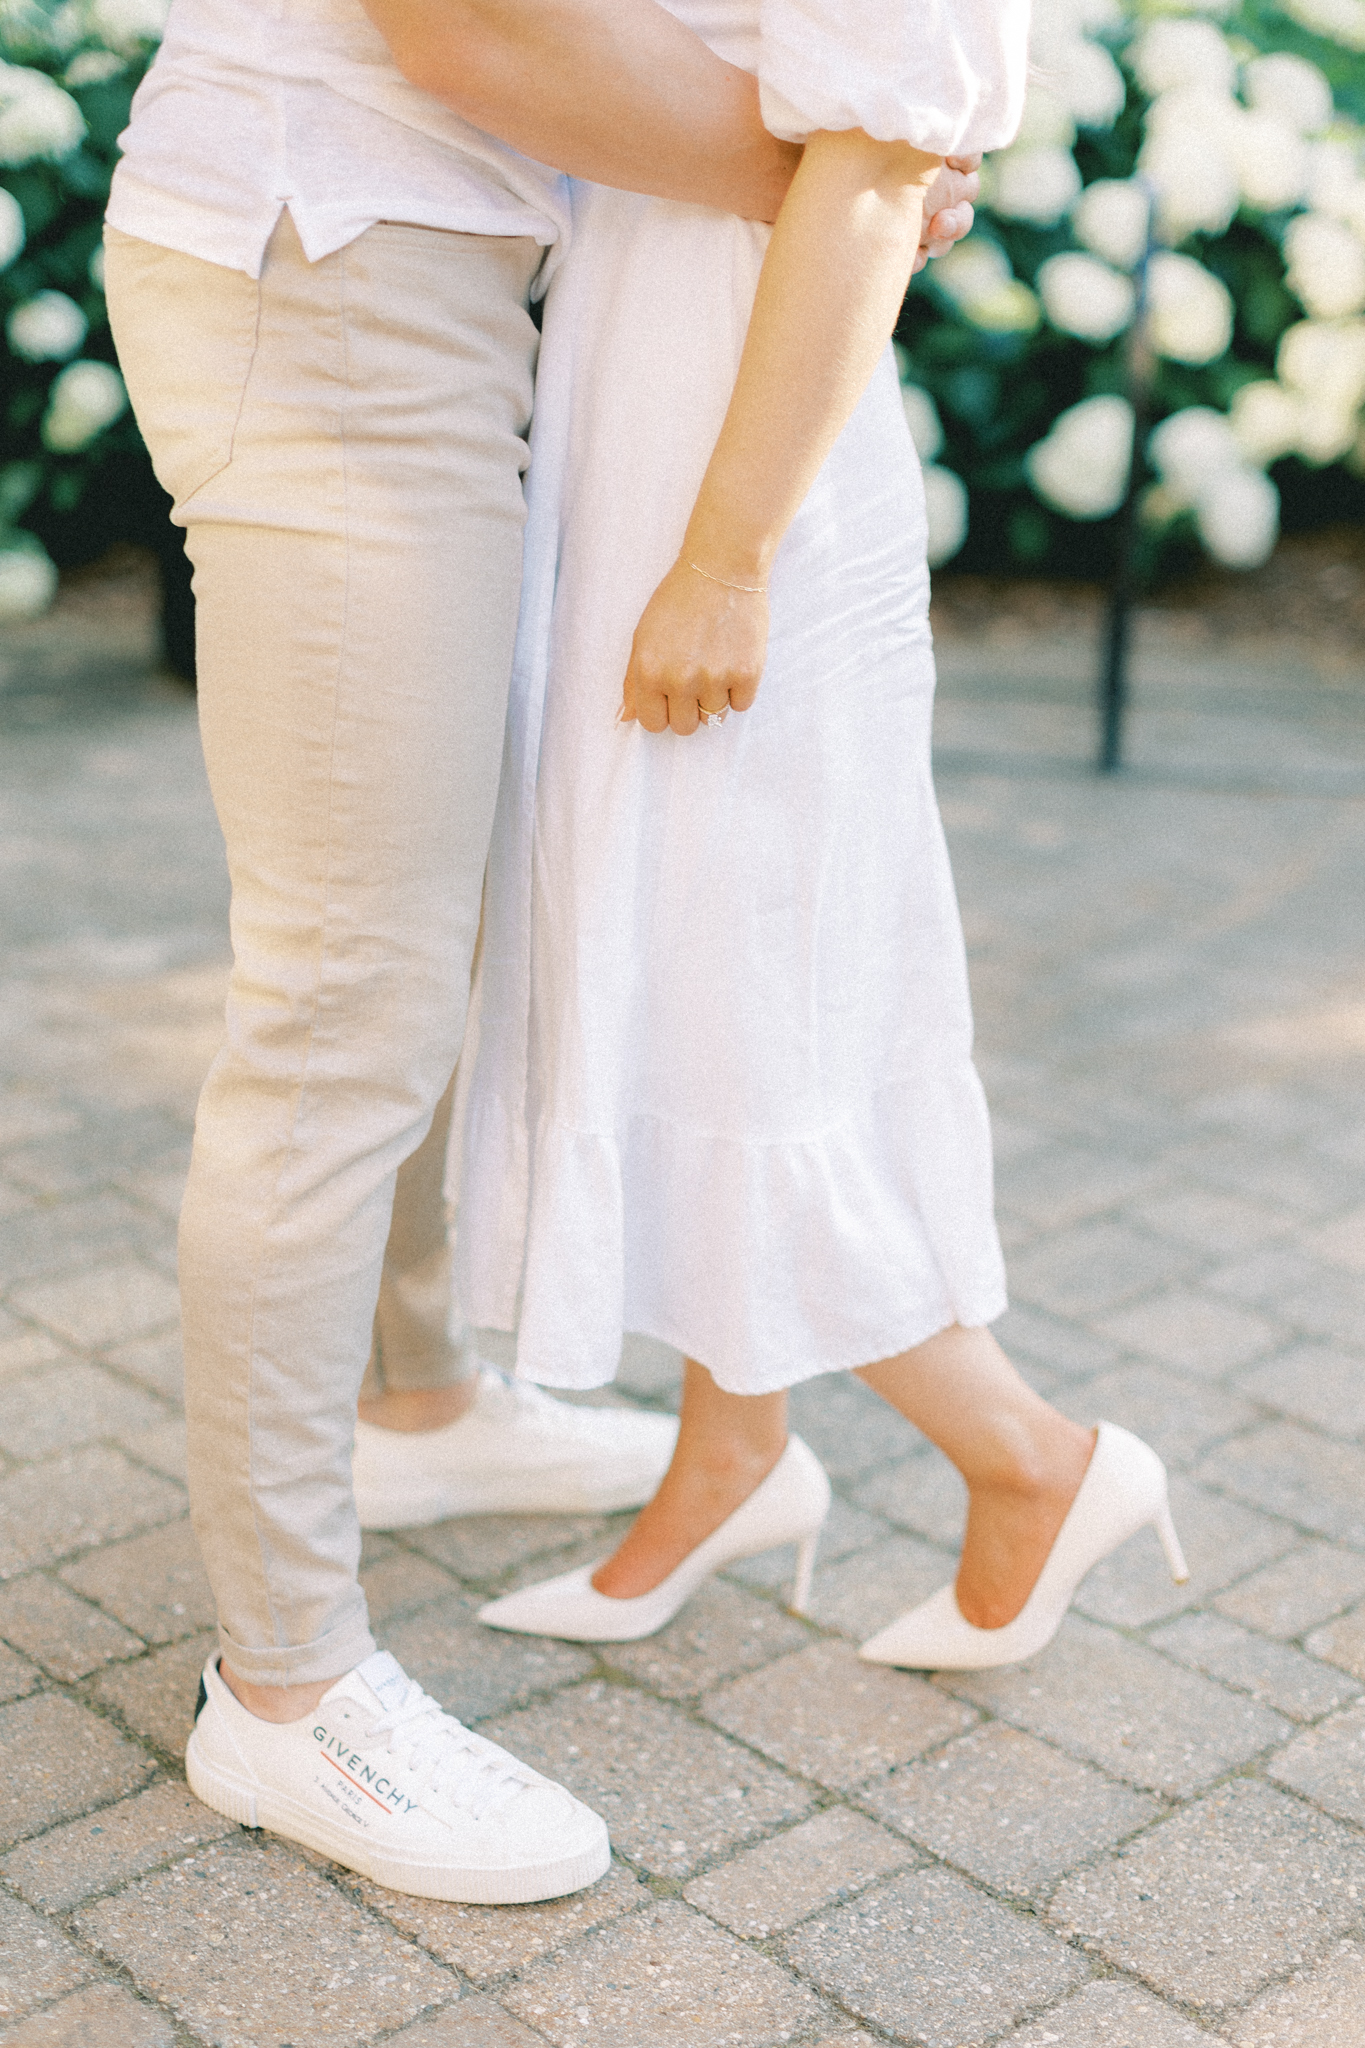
331	1656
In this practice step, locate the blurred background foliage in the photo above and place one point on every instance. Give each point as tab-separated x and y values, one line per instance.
1018	353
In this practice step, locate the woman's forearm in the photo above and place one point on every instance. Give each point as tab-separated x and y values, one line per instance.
828	298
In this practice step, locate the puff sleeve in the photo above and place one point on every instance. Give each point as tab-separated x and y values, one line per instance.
945	75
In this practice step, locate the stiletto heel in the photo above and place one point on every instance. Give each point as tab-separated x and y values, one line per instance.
805	1571
1170	1543
789	1506
1124	1489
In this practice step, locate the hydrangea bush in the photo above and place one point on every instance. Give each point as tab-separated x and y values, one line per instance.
1184	206
1186	198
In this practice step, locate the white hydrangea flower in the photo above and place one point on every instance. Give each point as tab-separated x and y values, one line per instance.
1187	159
127	25
1046	123
945	502
1238	516
1342	20
1293	90
85	398
1081	465
28	579
1324	361
1084	297
37	119
13	233
93	67
1335	183
921	416
1173	54
1190	447
95	267
1034	184
1326	431
47	328
1266	420
1189	310
1271	159
1326	266
1110	219
976	275
1087	81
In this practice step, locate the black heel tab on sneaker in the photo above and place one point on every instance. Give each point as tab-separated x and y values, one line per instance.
203	1698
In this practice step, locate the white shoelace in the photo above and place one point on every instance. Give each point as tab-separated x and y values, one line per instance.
447	1758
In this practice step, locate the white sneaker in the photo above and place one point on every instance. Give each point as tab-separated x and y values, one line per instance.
515	1451
380	1779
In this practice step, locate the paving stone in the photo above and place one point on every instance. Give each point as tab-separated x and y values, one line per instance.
1342	1642
65	1635
68	1405
673	1795
857	1595
55	1238
1342	1242
1327	1764
1063	1347
17	1675
402	1582
103	1304
60	1760
163	1447
829	1717
1133	1585
1118	1704
155	1695
1290	1471
37	1962
1008	1809
1210	1220
104	2016
930	1960
1108	2014
846	1530
1268	1277
650	1368
817	1863
159	1362
1188	1332
67	1864
1323	2009
721	1631
322	1971
926	1494
473	2023
1058	1185
1329	1305
155	1584
486	1942
1320	1384
1093	1267
90	1496
22	1348
1280	1677
1179	1418
698	1987
482	1548
475	1671
848	1427
1311	1582
1232	1891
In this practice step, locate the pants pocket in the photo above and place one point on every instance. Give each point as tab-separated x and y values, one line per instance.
185	331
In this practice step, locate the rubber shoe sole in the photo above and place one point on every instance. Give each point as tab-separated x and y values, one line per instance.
258	1806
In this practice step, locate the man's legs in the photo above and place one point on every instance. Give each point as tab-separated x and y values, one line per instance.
344	444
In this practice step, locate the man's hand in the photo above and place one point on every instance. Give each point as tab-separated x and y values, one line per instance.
948	209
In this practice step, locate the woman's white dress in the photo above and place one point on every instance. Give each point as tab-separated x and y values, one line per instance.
719	1086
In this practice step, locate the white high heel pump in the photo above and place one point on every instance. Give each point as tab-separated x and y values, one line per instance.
1124	1490
789	1506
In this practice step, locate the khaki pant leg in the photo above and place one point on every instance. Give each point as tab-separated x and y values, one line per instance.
344	442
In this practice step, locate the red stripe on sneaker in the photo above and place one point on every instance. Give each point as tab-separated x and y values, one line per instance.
359	1788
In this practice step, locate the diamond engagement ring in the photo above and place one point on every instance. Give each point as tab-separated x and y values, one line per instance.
713	717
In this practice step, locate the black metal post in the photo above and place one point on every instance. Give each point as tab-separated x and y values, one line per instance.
1117	639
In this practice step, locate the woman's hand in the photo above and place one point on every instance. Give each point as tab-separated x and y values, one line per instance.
699	648
948	210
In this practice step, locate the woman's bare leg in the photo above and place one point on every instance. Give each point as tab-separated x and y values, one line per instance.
1022	1461
727	1444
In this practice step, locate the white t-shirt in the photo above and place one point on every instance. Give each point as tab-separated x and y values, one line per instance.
255	105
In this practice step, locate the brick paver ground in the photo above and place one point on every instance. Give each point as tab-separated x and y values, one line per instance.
1152	1835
